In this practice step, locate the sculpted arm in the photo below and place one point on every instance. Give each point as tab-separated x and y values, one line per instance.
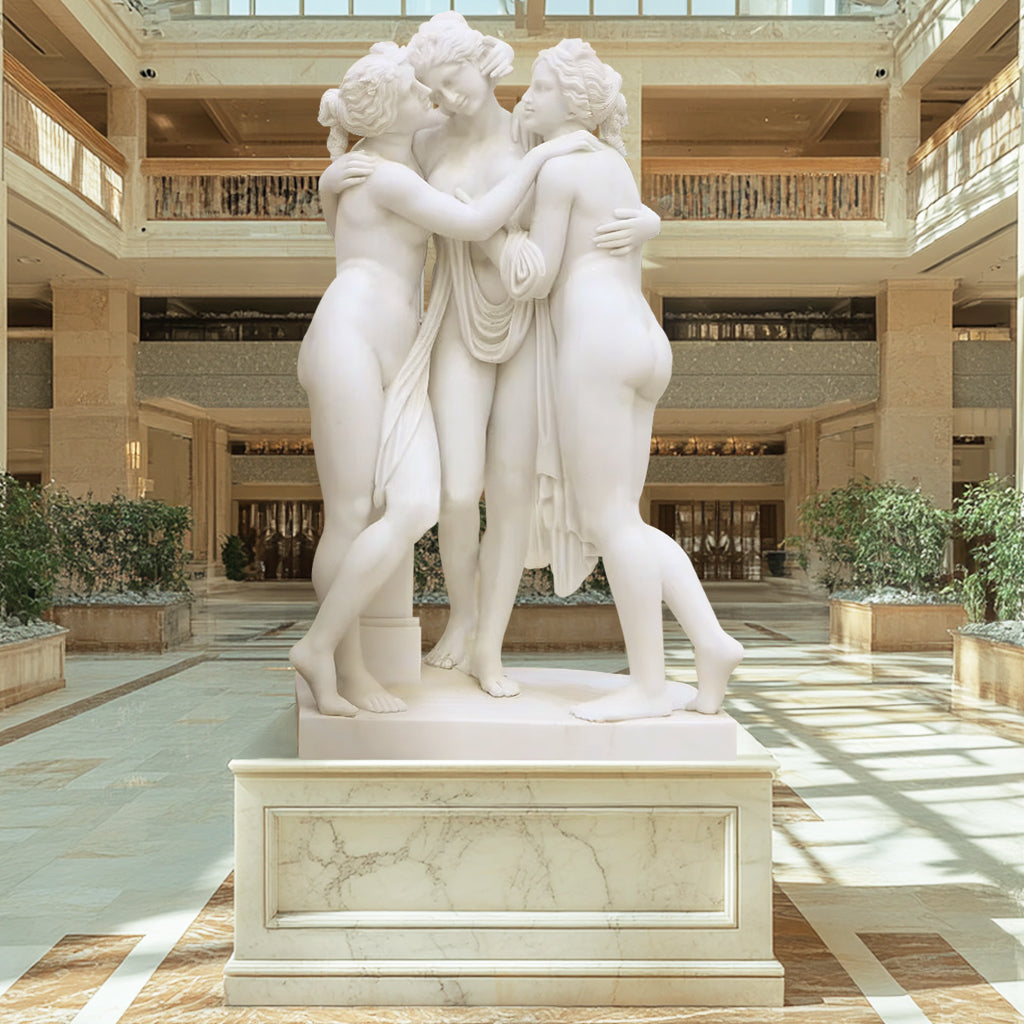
630	229
529	267
344	172
399	189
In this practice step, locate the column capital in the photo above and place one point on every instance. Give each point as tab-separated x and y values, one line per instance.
921	284
96	284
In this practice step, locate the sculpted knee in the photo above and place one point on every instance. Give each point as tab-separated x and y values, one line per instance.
460	500
413	517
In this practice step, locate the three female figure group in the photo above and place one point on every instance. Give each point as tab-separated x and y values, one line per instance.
573	279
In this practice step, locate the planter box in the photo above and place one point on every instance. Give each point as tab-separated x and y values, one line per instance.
30	668
989	670
542	627
124	627
857	626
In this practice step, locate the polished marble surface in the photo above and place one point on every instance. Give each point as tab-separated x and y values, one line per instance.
899	839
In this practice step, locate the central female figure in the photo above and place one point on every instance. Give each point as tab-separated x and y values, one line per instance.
483	368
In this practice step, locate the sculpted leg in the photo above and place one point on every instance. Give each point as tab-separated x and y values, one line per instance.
460	393
716	654
510	472
634	575
411	509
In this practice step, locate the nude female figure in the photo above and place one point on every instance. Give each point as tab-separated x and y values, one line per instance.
482	373
356	344
612	363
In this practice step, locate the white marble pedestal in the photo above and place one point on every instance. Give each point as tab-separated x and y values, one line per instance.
482	881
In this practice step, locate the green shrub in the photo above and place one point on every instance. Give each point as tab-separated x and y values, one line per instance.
872	536
990	518
122	545
535	585
235	556
29	560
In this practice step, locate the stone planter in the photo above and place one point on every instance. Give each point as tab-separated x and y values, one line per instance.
124	627
859	626
542	627
988	669
30	668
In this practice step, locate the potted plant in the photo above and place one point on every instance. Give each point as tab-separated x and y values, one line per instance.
123	584
880	551
988	657
31	650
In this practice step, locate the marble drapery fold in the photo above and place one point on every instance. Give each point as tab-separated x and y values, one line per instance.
492	332
556	537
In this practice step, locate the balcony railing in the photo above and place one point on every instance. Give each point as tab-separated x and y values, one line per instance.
507	8
984	129
40	127
253	189
741	188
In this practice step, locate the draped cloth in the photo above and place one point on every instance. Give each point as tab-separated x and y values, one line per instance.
556	537
492	332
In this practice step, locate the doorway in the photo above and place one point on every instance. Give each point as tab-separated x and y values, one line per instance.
723	539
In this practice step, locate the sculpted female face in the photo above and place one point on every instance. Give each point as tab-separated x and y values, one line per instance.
544	108
458	87
414	104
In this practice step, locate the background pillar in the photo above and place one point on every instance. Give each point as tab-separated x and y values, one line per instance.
914	424
95	439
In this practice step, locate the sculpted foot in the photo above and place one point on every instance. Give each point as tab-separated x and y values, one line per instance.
450	651
365	692
317	669
492	679
714	662
632	701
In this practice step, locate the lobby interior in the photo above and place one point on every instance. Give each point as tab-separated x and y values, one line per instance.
837	271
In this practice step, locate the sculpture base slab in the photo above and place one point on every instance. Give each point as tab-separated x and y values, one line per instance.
545	882
451	718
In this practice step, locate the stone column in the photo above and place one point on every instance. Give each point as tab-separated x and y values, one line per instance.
914	421
95	442
801	470
1018	405
204	490
631	69
224	522
3	291
901	135
126	129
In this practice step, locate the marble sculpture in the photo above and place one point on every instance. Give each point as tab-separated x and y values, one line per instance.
533	375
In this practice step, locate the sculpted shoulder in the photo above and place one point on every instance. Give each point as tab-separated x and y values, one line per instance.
427	145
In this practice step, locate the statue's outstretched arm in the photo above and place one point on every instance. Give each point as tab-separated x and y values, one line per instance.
399	189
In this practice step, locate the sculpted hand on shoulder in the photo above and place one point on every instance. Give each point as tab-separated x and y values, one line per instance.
575	142
348	170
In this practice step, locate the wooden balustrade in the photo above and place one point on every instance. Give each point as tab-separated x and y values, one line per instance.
253	189
983	130
40	127
740	188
